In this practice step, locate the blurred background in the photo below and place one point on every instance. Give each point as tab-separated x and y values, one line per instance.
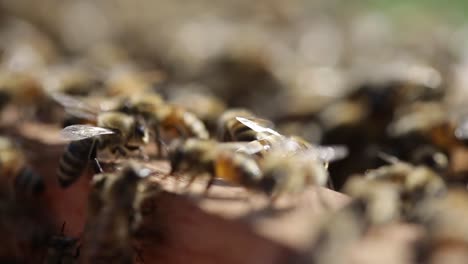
334	72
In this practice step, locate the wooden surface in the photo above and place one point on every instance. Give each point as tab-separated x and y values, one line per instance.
228	225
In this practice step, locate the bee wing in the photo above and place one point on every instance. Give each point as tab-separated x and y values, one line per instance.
258	125
326	153
78	132
252	147
75	107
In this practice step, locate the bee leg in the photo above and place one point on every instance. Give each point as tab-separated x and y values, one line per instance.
159	143
97	166
209	184
93	157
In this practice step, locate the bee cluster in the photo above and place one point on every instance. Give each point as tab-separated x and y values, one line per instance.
261	113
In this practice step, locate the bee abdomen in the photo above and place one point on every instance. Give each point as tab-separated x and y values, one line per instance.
241	132
29	183
73	161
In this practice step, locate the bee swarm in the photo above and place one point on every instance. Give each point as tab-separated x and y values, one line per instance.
268	132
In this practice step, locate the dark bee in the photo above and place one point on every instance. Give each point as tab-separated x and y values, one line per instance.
17	176
117	132
112	217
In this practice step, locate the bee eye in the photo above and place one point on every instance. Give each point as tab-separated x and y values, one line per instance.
140	130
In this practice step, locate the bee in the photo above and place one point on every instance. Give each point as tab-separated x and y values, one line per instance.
70	80
205	106
112	216
231	129
163	117
283	173
413	183
62	249
22	89
220	160
124	79
382	198
274	174
116	132
446	235
17	176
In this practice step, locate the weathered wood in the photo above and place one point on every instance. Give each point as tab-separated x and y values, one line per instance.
228	225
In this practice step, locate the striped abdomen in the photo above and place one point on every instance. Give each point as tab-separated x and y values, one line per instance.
28	182
240	132
75	160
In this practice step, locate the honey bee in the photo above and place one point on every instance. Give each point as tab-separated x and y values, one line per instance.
231	129
274	174
112	216
21	89
282	173
411	183
382	198
17	176
164	117
70	80
217	160
205	106
62	249
116	132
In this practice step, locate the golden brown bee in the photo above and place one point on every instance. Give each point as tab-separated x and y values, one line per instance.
205	106
163	117
116	132
231	129
125	80
382	198
112	217
276	173
290	174
217	160
16	176
395	189
70	80
21	88
430	120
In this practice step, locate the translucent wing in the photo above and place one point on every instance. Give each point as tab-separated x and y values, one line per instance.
252	147
326	153
78	132
258	125
75	107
